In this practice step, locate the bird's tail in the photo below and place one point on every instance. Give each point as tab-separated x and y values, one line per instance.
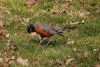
60	31
69	26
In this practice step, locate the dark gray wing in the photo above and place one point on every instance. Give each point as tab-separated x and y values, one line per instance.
47	28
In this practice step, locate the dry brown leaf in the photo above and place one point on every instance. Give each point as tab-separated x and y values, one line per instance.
5	58
4	64
4	36
97	65
25	21
12	60
59	62
54	11
30	2
97	11
1	60
72	65
4	61
8	42
95	49
13	47
86	55
67	5
69	42
22	61
74	49
1	34
82	13
13	57
69	61
36	62
74	23
1	23
8	12
56	64
83	22
7	35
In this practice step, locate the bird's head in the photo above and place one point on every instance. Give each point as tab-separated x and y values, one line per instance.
30	28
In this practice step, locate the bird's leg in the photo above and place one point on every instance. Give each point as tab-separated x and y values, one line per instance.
41	40
49	40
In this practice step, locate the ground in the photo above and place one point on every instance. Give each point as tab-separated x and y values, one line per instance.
80	47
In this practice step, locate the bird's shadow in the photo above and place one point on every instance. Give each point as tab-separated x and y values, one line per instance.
38	41
44	43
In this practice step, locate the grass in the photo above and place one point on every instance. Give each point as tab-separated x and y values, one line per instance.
14	13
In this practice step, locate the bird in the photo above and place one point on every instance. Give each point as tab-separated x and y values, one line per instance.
44	30
47	31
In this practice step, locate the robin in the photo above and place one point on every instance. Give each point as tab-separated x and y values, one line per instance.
44	30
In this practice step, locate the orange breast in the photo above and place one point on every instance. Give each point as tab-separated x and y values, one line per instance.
42	33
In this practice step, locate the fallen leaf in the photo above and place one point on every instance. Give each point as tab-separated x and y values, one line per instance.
69	61
73	65
1	60
86	55
4	64
22	61
31	2
97	11
74	49
5	58
96	49
97	65
82	13
25	21
74	23
7	37
13	57
1	34
54	11
69	42
59	62
83	22
1	23
36	61
8	42
8	12
66	7
56	64
12	60
13	47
